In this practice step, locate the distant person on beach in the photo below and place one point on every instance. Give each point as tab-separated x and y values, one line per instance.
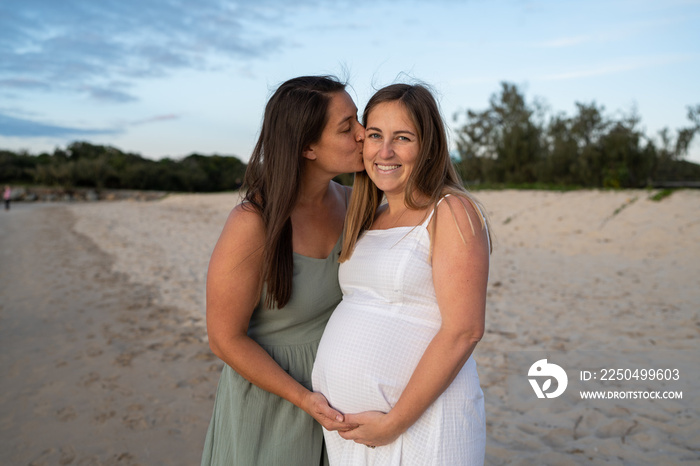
272	281
396	355
7	196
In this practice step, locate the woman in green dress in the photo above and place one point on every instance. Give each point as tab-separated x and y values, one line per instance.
272	280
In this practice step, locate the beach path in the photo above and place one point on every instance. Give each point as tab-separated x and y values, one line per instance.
94	371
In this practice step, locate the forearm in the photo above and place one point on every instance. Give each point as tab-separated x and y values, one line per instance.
252	362
443	359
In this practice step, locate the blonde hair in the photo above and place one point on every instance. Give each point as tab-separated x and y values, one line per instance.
433	175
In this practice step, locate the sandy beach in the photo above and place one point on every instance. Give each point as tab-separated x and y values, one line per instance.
105	360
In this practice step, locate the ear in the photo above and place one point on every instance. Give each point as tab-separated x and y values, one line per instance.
309	153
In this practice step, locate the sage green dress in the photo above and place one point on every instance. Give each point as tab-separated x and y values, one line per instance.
251	426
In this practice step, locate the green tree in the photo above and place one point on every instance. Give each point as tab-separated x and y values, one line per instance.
505	137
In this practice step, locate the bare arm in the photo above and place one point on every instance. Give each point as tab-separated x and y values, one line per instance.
460	274
234	285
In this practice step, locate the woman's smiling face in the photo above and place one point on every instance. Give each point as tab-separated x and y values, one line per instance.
391	147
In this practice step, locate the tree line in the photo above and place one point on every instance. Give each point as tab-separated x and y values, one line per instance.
514	142
86	165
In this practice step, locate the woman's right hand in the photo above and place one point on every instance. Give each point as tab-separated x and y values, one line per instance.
317	406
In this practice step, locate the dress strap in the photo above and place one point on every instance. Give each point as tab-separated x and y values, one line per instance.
430	217
478	209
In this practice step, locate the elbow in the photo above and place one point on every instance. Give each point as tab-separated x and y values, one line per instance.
476	334
226	347
215	348
469	337
469	341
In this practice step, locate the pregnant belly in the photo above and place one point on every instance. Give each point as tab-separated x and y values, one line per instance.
366	357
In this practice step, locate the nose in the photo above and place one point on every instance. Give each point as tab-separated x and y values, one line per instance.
386	151
360	133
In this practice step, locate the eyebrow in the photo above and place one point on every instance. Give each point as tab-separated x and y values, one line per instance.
344	120
401	131
349	117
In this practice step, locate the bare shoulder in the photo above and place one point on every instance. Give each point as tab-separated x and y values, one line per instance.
461	209
247	216
458	217
244	229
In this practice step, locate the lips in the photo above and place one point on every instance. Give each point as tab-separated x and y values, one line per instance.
386	168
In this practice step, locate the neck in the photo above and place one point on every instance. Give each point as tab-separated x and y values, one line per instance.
394	209
313	188
396	203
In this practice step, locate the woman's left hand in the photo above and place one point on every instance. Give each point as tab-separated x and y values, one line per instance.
374	429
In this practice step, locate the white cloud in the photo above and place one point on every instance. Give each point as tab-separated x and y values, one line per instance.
619	66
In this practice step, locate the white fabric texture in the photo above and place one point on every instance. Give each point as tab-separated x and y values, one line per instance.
372	344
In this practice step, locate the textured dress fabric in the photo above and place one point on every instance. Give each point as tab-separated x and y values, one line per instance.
374	341
251	426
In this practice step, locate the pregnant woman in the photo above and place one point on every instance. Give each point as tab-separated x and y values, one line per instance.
396	355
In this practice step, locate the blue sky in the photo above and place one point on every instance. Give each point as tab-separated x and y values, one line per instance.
169	78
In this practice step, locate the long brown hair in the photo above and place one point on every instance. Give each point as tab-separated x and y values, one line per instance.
294	118
432	177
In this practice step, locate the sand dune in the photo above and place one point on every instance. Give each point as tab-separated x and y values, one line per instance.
104	346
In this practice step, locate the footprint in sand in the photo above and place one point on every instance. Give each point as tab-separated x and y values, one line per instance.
125	359
135	418
646	441
215	367
192	382
101	418
617	428
93	350
67	455
558	437
170	357
89	379
44	458
205	356
66	414
110	383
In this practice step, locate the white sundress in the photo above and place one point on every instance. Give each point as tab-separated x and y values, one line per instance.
374	341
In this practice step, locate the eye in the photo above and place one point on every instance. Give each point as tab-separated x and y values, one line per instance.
373	136
403	138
